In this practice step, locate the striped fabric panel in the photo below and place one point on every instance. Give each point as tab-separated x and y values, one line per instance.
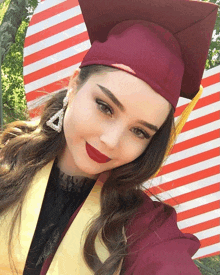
56	42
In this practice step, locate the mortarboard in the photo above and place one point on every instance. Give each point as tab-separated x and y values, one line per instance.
163	42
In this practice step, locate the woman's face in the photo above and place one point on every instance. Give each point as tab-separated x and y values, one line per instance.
115	131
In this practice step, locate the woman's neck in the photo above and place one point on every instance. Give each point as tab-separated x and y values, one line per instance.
71	170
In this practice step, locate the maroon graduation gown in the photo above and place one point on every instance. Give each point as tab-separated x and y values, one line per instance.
160	251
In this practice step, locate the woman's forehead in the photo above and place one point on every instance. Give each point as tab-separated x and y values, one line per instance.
127	86
131	95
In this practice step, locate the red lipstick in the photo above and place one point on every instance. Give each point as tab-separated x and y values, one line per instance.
96	155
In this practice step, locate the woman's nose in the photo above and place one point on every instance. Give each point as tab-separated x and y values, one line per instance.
112	136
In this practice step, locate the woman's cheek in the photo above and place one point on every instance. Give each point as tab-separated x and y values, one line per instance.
85	120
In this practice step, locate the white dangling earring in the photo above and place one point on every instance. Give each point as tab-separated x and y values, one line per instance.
59	115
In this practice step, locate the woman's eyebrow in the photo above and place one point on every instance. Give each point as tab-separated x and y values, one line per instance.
110	95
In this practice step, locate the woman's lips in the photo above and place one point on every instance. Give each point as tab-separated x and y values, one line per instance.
96	155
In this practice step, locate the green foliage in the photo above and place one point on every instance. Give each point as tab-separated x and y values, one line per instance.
12	41
209	266
3	8
10	24
213	59
32	4
14	102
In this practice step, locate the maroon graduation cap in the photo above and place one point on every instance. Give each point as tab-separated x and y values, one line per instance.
163	42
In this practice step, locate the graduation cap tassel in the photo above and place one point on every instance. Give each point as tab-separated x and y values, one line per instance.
185	114
179	124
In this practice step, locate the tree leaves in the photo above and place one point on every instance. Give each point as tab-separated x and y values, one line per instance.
10	24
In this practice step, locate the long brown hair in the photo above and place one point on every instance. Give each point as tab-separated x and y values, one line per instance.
27	146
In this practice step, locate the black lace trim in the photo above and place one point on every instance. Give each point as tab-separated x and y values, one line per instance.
72	183
77	185
63	195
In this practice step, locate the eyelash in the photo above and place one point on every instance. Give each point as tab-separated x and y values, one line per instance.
101	104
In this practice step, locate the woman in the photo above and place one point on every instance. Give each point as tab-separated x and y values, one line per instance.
134	72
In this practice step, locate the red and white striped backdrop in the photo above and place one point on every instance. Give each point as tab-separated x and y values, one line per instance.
56	42
190	178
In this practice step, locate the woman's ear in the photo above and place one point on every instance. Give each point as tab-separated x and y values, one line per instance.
73	79
72	85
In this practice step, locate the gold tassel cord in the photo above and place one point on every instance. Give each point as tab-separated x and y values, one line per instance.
180	122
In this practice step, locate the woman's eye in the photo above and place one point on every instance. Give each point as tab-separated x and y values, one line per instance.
105	108
145	134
